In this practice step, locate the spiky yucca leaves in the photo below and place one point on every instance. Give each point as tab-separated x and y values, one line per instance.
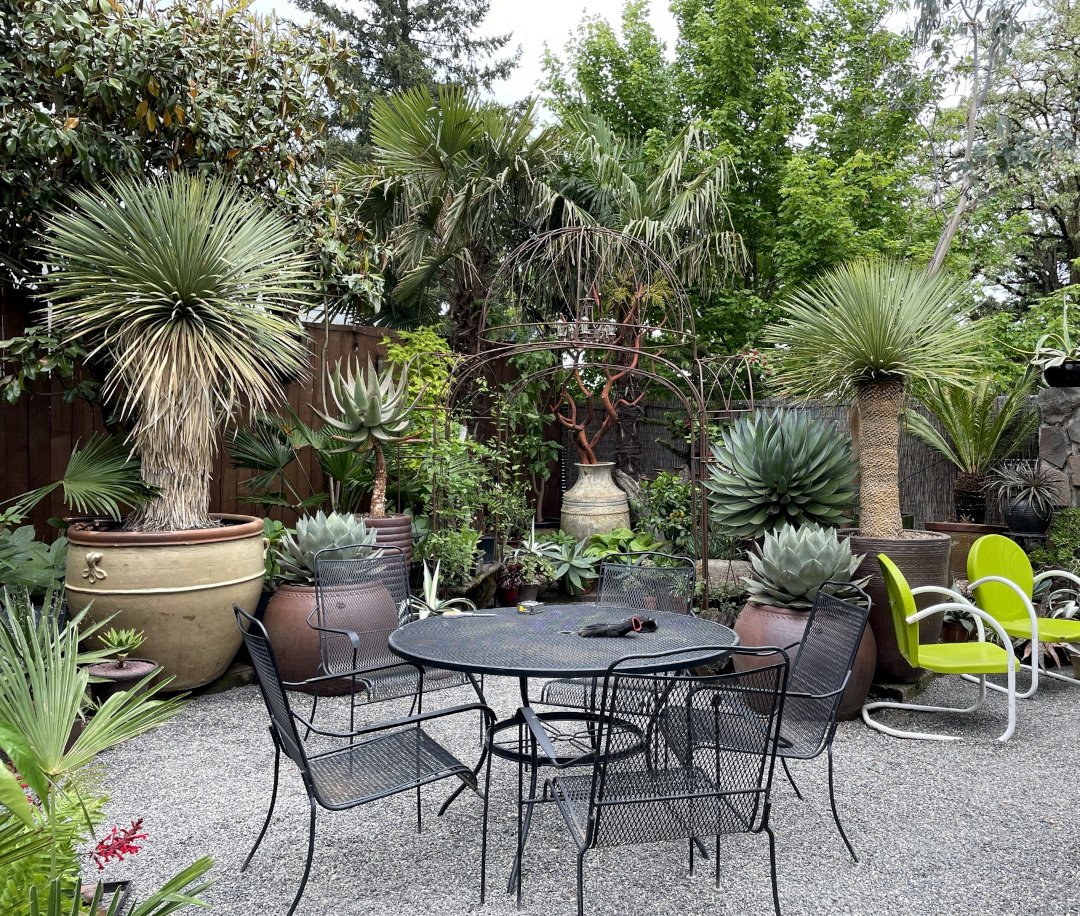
779	468
978	433
317	532
192	291
375	409
869	328
795	562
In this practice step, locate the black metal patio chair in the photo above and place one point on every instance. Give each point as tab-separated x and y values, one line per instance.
359	602
820	673
364	764
665	584
641	788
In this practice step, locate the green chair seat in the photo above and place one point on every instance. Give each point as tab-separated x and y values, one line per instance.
1051	629
964	658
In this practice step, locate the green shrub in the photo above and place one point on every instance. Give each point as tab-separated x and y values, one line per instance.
1062	549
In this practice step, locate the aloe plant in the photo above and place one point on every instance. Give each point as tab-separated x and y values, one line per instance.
778	468
430	603
317	532
795	562
375	410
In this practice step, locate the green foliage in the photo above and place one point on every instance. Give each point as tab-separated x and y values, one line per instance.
430	600
430	361
575	567
37	354
796	561
26	562
296	556
781	468
667	511
274	532
1062	547
1014	334
457	551
619	541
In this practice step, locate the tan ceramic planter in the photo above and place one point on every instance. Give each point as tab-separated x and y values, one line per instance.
594	505
177	587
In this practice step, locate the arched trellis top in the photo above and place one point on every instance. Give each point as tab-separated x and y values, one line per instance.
585	286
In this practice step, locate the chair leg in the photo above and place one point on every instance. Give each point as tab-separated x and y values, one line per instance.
580	883
832	802
772	867
310	855
912	707
484	831
790	778
419	816
270	812
314	706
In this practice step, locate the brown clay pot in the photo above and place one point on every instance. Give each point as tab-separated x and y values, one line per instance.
923	561
176	587
296	645
963	535
765	625
392	531
954	632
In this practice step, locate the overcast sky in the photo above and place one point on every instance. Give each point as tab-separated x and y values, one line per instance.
531	23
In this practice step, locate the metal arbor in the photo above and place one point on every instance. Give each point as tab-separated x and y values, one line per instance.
606	304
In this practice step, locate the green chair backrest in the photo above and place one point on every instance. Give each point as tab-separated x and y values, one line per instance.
996	555
902	603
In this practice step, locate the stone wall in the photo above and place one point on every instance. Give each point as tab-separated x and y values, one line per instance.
1059	436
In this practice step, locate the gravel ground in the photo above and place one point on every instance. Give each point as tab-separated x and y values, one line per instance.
941	828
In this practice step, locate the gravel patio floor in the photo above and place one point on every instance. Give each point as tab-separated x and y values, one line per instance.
941	828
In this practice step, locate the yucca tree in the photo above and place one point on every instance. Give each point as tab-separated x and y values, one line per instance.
191	291
978	434
674	199
451	178
869	329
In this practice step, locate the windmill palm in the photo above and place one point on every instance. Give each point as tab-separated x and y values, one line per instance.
192	291
673	200
869	329
976	433
451	179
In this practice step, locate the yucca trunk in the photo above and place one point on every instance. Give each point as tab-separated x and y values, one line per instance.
879	458
378	484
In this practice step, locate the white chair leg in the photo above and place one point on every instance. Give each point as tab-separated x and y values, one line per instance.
1007	734
1030	692
913	707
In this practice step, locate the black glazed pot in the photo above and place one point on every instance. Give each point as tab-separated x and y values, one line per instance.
1023	518
1067	375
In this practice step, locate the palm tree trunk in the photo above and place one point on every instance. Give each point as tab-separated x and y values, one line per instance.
879	459
378	486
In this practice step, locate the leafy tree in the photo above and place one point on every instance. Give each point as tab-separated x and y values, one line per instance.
406	44
626	79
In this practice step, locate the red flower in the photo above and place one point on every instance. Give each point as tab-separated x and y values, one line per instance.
119	843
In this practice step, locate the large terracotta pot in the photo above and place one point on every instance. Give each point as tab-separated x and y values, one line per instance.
962	536
594	505
393	531
765	625
177	587
923	561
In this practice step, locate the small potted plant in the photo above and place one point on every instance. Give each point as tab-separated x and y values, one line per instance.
121	672
790	568
1058	356
1029	491
429	601
957	626
509	580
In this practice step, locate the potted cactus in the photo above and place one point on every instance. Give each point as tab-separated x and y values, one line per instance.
791	566
286	618
120	672
375	411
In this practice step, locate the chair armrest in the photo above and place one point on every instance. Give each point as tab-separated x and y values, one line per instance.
819	696
353	637
322	678
543	741
1057	574
486	710
955	596
1032	616
977	613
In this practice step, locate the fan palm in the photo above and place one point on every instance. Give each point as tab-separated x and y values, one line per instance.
978	434
192	291
870	328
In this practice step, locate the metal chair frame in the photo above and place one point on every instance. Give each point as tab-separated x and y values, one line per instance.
365	749
715	791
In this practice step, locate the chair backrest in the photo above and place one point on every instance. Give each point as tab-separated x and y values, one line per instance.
902	604
996	555
267	674
712	777
368	596
625	582
826	655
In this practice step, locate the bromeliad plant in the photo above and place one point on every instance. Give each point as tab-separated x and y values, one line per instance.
779	468
795	562
191	291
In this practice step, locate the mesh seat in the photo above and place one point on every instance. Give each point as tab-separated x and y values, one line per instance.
643	791
630	584
819	675
360	766
360	601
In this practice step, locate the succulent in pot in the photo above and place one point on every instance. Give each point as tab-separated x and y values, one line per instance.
121	672
784	467
1058	356
430	603
795	562
296	557
1029	492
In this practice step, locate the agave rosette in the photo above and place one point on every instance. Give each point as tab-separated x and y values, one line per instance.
795	562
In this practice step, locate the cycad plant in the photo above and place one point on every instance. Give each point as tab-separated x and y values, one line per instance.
375	410
869	329
976	433
191	291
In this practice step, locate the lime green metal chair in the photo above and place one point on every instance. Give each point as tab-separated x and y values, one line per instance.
1001	579
975	658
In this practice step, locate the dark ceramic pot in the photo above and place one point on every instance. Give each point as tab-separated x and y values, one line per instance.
528	593
962	535
764	625
1067	375
1023	518
119	677
923	561
508	597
